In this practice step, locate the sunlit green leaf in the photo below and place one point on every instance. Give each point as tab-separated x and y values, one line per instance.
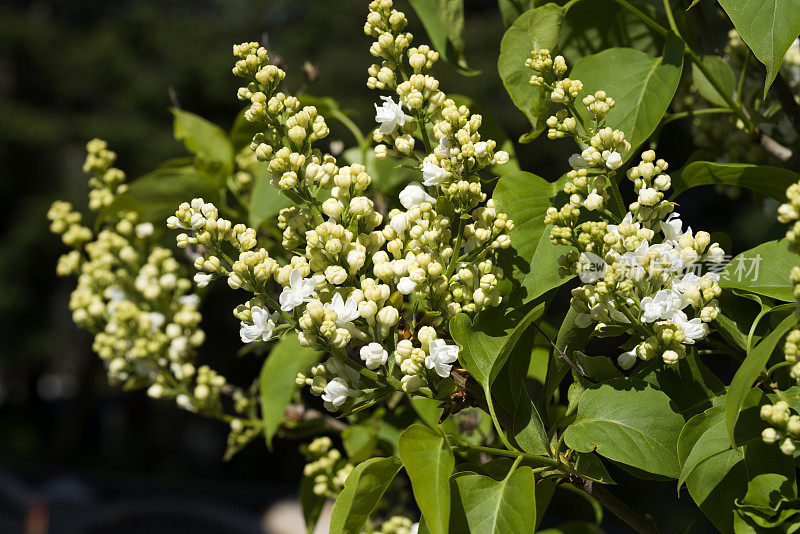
629	421
483	505
720	71
641	85
763	270
749	370
768	27
277	380
535	29
429	462
363	488
763	179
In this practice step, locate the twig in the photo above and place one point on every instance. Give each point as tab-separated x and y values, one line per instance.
641	524
776	149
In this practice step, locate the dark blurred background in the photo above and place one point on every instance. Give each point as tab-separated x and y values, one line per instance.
72	449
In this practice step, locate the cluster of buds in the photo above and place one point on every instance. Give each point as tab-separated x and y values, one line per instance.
784	427
106	181
134	296
325	467
789	213
640	274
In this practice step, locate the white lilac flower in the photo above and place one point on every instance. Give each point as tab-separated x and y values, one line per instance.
406	285
157	320
191	300
389	115
399	222
672	228
336	392
373	355
613	159
627	359
298	291
663	305
432	174
693	329
413	529
413	195
262	327
203	279
689	279
480	148
346	312
441	356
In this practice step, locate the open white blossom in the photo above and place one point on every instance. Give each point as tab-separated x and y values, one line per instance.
413	195
441	356
613	159
663	305
389	115
298	292
346	311
262	327
672	227
432	174
693	329
373	355
406	285
336	392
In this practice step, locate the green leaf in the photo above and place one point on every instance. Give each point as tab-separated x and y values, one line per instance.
770	505
762	179
749	370
713	470
363	488
768	27
311	503
266	201
629	421
535	29
641	85
510	10
156	196
277	381
689	384
722	72
484	505
590	466
485	346
444	22
208	142
429	462
763	270
525	198
201	137
360	441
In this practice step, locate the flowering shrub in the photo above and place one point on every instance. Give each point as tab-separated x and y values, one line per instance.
420	329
